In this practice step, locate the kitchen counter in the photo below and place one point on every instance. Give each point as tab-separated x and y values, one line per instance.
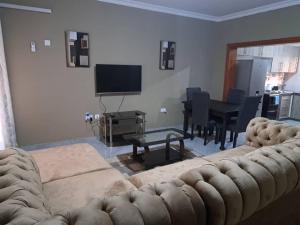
289	106
281	105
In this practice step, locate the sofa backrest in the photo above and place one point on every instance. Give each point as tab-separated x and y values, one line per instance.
263	132
22	201
221	193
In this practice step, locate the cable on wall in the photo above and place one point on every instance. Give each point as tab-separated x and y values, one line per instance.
121	103
102	104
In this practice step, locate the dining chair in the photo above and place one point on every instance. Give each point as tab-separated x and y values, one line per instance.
200	114
189	96
191	91
236	96
247	112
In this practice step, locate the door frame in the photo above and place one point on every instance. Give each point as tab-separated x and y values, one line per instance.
231	55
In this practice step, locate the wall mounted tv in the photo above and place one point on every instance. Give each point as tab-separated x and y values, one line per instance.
118	79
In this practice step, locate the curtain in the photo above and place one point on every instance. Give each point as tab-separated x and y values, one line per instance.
7	125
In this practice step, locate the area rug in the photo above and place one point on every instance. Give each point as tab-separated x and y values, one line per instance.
134	166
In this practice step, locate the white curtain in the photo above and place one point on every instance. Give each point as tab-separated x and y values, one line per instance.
7	125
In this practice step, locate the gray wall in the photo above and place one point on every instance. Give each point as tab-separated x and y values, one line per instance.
49	99
275	24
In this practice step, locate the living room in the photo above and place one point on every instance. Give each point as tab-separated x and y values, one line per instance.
46	113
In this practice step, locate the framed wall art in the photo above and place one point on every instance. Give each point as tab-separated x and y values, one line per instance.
77	47
167	55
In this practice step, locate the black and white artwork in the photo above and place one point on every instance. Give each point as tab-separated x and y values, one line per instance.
77	47
167	55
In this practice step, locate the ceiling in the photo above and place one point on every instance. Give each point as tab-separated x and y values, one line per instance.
214	10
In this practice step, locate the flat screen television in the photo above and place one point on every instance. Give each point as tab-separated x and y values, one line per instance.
118	79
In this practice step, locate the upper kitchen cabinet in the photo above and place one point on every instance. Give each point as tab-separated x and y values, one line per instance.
251	51
245	51
285	59
268	51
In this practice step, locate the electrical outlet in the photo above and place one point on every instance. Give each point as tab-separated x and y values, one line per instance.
88	116
163	110
97	116
32	46
47	43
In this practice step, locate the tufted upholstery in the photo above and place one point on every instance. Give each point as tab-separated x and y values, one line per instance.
164	173
239	190
225	192
22	201
263	132
240	186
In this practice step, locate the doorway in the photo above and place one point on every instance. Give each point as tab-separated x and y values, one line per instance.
232	53
269	68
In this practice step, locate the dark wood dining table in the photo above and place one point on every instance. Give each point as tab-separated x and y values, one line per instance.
219	109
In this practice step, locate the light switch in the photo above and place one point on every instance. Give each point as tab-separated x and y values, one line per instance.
47	43
32	46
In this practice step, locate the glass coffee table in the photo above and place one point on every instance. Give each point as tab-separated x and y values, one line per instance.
161	155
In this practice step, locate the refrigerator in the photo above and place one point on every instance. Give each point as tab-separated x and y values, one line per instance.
251	75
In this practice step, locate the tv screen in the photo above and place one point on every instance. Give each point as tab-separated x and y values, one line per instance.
118	79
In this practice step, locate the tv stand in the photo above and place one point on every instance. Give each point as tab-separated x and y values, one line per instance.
119	123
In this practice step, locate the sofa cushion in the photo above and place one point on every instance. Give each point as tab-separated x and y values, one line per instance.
69	160
263	132
238	151
164	173
76	191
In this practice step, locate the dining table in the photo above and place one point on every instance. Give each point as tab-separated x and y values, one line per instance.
220	109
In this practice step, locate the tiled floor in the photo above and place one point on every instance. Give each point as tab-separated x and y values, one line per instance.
109	153
196	145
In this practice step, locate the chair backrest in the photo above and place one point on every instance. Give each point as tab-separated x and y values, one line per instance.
191	91
200	108
236	96
247	112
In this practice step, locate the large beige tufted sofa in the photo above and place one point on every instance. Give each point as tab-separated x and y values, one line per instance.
254	184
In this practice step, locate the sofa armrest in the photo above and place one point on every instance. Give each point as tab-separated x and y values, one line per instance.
264	132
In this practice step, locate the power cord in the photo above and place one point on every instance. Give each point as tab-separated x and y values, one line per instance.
102	104
121	103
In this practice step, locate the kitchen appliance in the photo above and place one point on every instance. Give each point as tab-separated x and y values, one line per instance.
251	75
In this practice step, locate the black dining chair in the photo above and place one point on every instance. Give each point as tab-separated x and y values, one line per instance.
200	114
191	91
236	96
247	112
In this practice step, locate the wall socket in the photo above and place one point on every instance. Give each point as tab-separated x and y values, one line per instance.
163	110
97	116
88	117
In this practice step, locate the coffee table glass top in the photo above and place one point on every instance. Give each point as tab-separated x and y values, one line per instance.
155	137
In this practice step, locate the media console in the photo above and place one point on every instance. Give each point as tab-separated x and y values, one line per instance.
115	124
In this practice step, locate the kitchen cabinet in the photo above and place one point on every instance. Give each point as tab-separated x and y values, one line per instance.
285	106
295	109
293	65
281	106
285	58
268	51
245	51
258	51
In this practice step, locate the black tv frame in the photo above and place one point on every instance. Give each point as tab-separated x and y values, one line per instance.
116	93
